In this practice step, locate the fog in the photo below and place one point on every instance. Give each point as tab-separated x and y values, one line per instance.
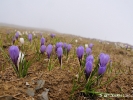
102	19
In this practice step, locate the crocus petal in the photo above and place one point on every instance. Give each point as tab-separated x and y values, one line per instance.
101	70
20	58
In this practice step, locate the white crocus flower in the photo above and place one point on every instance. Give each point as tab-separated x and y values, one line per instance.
20	58
22	40
76	41
86	46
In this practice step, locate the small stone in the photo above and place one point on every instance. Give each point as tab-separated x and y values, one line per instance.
27	84
30	91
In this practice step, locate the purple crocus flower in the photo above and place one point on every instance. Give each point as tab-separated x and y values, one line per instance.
14	54
52	35
88	51
65	45
30	37
88	69
80	52
104	59
49	50
58	44
43	48
91	45
17	35
13	39
69	46
90	58
42	41
59	53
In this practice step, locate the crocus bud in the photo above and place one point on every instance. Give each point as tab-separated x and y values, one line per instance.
88	69
21	40
42	41
65	45
58	44
88	51
91	45
69	46
17	35
13	39
30	37
80	52
90	58
14	54
43	49
49	50
59	53
52	35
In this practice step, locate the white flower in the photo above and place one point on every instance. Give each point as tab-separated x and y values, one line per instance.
76	41
34	34
20	58
86	45
21	40
26	33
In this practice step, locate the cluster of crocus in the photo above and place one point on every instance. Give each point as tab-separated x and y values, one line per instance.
49	50
30	37
20	64
80	53
103	60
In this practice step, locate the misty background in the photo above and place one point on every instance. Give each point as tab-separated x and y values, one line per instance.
102	19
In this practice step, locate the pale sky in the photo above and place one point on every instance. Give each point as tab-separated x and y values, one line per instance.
102	19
